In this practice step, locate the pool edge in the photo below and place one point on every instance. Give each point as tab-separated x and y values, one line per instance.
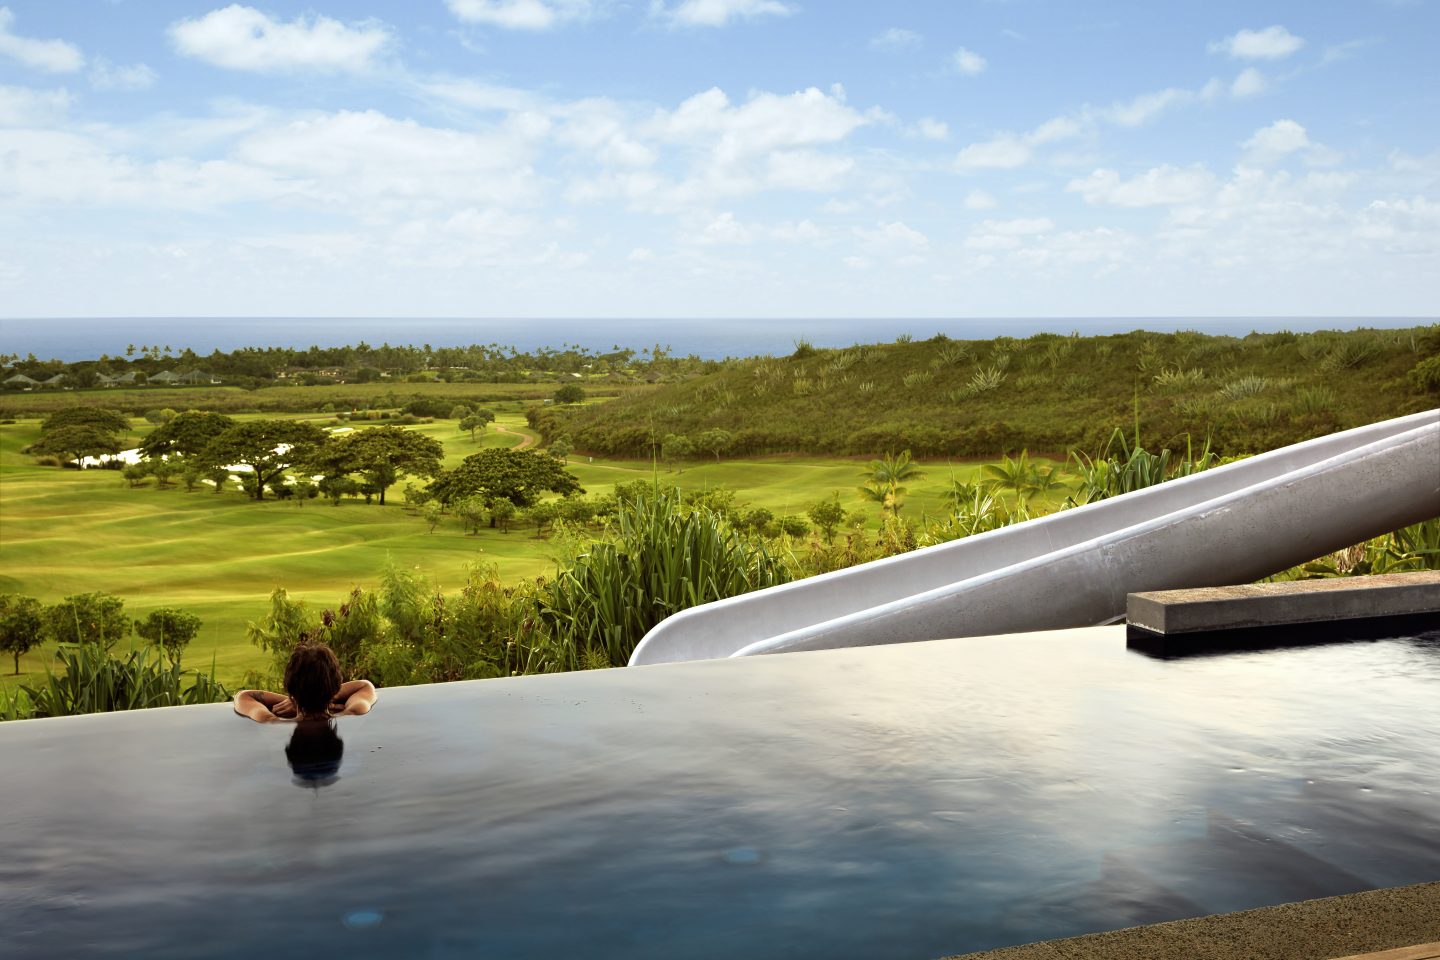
1307	930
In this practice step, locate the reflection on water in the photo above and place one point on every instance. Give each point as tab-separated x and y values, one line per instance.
906	801
314	753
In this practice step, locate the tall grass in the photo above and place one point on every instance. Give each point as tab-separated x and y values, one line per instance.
662	557
93	681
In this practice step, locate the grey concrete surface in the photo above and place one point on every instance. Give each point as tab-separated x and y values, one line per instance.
1259	514
1309	930
1203	609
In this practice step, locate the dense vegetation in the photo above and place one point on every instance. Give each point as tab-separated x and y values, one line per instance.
943	397
363	364
630	553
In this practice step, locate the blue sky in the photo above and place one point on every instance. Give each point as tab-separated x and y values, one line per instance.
713	158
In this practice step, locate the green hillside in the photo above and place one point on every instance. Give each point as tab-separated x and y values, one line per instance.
943	397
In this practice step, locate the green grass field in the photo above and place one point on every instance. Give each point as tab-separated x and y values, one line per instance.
220	556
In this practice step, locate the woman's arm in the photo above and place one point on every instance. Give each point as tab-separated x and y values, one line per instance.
258	705
353	699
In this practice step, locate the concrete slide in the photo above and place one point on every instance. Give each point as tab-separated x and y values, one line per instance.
1228	525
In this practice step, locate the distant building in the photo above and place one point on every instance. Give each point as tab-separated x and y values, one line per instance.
165	376
56	381
195	376
123	380
20	382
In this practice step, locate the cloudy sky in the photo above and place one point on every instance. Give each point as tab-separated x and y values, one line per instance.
702	158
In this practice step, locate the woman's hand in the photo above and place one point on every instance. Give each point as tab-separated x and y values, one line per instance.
285	709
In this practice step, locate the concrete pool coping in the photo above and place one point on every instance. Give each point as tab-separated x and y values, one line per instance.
1259	605
1331	927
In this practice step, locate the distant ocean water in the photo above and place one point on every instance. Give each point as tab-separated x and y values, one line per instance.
85	338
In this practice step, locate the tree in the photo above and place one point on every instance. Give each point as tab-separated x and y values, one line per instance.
75	442
135	473
109	421
267	447
502	511
560	448
20	625
676	447
570	393
715	440
380	455
519	476
187	433
169	628
472	513
827	515
476	420
886	476
86	618
160	417
460	411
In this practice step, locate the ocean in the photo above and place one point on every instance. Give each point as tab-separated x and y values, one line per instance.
86	338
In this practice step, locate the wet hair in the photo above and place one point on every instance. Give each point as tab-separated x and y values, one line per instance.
314	753
312	678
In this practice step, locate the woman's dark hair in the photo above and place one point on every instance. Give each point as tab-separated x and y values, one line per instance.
312	678
314	753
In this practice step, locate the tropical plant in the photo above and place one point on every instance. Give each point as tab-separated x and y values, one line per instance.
885	478
659	557
93	681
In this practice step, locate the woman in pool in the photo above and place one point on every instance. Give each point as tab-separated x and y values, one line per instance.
313	691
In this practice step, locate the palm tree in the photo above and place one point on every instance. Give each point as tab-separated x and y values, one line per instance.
886	476
1018	475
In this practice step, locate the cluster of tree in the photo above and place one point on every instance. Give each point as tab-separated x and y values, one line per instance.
199	445
364	363
75	433
89	618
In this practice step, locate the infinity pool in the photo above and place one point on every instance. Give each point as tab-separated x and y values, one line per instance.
907	801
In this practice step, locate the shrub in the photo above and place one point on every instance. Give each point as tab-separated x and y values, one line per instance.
663	558
95	682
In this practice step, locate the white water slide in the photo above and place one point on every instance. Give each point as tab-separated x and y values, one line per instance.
1228	525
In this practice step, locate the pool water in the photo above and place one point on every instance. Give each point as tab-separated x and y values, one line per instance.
907	801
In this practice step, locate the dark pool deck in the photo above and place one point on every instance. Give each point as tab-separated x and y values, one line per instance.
919	800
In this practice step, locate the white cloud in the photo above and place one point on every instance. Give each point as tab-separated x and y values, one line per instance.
641	255
243	38
980	200
996	235
718	13
1057	128
767	121
893	237
1249	83
1002	153
1019	227
968	62
929	128
520	14
1160	186
107	76
895	40
1272	43
51	56
1146	107
803	232
724	229
24	106
395	165
1275	142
